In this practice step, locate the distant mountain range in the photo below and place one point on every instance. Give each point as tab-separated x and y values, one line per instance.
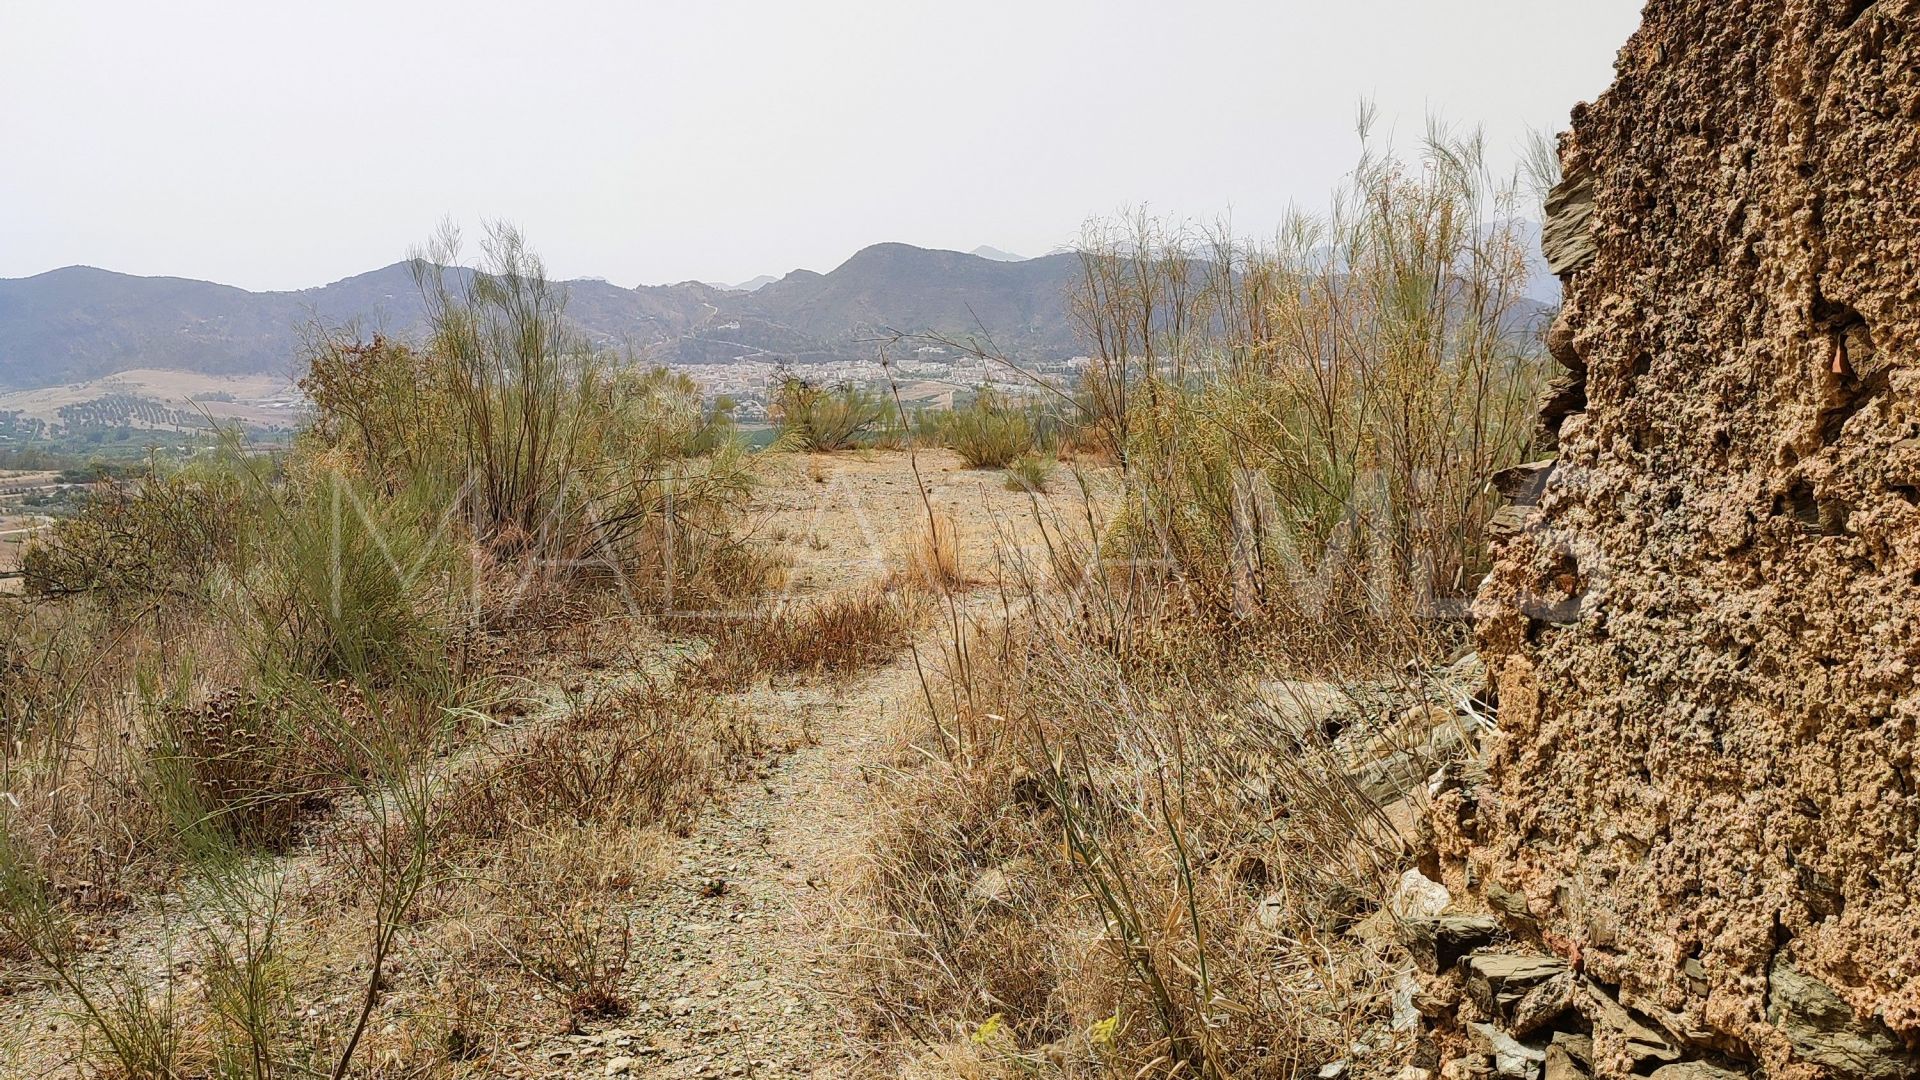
80	323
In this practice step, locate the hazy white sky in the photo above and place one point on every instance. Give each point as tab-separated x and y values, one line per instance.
278	145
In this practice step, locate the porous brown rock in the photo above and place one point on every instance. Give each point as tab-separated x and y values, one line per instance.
1705	638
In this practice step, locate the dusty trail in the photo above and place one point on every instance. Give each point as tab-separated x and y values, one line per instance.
737	967
737	971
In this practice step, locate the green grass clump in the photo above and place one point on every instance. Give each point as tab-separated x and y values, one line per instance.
989	433
1030	472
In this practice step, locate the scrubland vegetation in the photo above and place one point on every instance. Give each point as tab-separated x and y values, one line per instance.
1145	816
401	690
272	686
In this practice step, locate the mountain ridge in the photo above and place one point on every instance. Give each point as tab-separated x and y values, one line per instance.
81	322
78	323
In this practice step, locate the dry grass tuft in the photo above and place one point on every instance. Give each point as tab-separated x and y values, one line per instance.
649	753
932	559
840	635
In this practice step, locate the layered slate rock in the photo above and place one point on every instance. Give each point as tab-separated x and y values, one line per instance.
1705	633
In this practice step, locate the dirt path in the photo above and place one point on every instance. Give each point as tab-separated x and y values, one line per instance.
736	971
735	968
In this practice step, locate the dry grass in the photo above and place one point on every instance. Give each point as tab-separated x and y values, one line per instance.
650	753
543	844
932	560
840	635
1109	851
1119	870
555	831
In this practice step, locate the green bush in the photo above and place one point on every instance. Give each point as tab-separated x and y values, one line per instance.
1030	473
357	587
1311	439
149	539
555	455
824	419
989	434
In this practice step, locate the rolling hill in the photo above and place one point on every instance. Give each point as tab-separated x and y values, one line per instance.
81	323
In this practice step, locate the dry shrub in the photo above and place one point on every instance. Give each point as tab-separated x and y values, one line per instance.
88	827
974	912
843	634
1117	865
251	767
146	541
75	796
565	923
643	754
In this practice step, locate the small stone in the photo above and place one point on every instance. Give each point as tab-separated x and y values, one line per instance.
1579	1046
1543	1004
1414	896
1508	903
1404	1012
1496	981
1333	1070
1560	1065
1693	1070
1272	911
1511	1058
1640	1042
1438	942
620	1066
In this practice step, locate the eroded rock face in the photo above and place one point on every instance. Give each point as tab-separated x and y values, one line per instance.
1705	637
